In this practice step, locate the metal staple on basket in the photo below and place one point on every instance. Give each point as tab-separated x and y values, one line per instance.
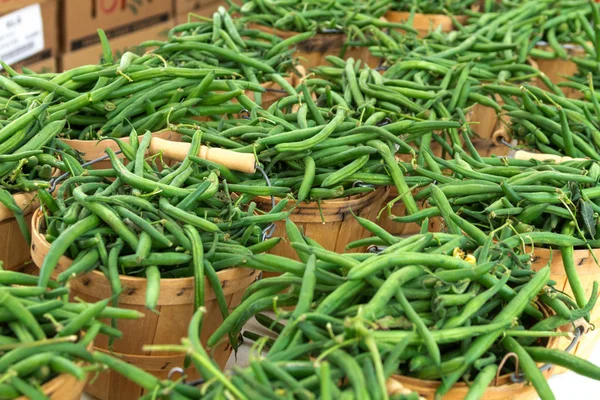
176	370
269	230
509	145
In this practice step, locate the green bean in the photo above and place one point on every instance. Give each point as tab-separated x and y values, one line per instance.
481	382
527	364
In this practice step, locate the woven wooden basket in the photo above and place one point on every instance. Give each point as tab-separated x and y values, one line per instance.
175	310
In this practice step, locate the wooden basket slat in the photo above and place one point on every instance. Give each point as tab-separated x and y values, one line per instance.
334	227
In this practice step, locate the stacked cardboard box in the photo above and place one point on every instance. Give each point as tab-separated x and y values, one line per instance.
39	33
29	34
125	22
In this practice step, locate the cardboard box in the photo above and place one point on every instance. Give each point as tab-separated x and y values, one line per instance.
7	6
119	45
28	32
205	8
81	19
42	66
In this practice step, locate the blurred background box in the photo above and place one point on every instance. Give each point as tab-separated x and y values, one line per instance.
201	7
29	34
119	45
82	18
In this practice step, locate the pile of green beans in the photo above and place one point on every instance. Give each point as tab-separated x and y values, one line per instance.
571	25
505	196
28	147
549	29
546	204
223	42
452	67
112	98
418	89
346	16
431	306
320	150
27	142
178	221
434	6
552	22
288	375
548	122
43	335
421	89
496	44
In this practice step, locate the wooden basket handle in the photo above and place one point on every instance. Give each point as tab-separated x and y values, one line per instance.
526	155
177	151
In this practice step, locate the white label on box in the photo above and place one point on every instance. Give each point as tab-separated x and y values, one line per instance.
21	34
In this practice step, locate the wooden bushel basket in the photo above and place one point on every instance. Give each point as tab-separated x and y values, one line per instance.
93	149
14	250
589	272
425	23
312	52
329	222
175	306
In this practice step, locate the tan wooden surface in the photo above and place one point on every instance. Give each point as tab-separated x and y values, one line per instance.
485	120
167	326
489	148
27	201
63	387
424	23
557	69
337	227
